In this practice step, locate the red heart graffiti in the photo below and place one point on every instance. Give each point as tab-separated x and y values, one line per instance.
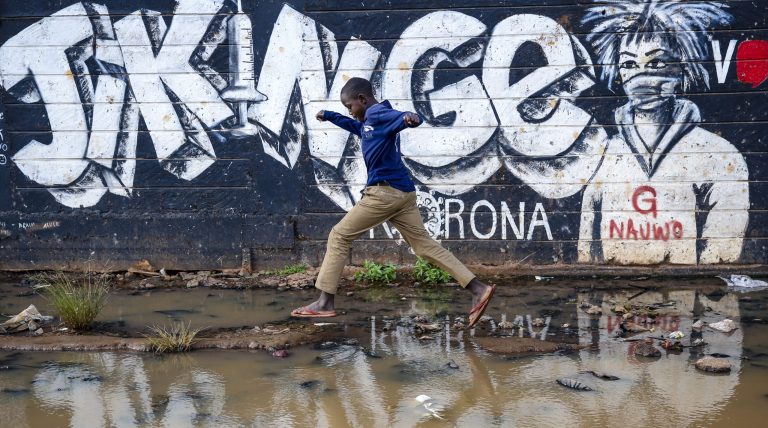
752	62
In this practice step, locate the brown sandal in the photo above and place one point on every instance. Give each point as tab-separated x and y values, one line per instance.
479	310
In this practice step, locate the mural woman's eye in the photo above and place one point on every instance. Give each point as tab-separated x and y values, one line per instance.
629	65
656	64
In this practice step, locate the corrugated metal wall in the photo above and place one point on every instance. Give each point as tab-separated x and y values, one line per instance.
557	131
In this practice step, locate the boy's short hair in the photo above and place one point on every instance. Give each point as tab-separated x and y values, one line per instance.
357	86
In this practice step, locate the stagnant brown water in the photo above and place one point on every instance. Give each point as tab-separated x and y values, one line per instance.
376	382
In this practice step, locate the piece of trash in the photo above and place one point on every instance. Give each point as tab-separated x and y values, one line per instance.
544	278
29	319
323	324
698	325
725	326
602	375
743	283
573	384
538	322
566	325
676	335
430	405
425	337
594	310
698	342
671	345
713	364
281	353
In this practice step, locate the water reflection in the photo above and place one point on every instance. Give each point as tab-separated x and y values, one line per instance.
376	384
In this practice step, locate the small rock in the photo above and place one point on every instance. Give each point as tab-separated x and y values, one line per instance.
452	364
620	309
350	293
506	324
713	364
143	265
698	325
725	326
538	322
350	342
627	316
566	325
485	319
428	328
425	337
698	342
594	310
281	353
193	283
309	384
38	332
632	327
458	325
646	349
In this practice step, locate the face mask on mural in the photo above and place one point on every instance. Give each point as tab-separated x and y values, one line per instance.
649	91
649	72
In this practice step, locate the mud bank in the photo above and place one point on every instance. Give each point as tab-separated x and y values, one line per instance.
267	338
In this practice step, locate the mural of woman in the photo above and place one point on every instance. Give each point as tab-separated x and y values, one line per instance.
667	189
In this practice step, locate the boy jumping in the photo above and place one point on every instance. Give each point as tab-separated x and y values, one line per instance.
389	195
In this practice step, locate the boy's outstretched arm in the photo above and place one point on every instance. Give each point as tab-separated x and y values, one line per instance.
399	120
340	120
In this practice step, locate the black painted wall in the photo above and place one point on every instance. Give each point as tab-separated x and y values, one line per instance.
120	134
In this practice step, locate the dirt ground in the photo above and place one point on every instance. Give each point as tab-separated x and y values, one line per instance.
292	333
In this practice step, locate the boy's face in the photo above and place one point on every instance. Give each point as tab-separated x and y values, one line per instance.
356	105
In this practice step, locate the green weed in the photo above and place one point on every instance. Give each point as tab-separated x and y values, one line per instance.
77	301
176	338
376	273
427	273
288	270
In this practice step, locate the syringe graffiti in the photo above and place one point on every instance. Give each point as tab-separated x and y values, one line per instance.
163	74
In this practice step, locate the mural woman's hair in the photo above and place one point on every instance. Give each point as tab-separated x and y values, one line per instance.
642	19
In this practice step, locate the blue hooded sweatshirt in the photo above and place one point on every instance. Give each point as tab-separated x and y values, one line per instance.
380	143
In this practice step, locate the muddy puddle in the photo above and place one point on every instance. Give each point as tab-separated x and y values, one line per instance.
377	364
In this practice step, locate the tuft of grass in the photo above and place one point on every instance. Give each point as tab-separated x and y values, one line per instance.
288	270
176	338
427	273
77	301
376	273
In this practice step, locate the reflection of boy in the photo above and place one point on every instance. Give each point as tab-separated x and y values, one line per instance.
389	195
667	190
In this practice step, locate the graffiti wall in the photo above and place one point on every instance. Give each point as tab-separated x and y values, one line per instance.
623	132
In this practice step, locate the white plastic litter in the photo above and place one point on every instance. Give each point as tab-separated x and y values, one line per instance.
676	335
430	405
743	283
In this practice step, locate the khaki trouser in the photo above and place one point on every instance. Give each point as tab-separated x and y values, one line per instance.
380	204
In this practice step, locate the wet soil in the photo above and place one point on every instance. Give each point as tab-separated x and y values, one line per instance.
391	344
